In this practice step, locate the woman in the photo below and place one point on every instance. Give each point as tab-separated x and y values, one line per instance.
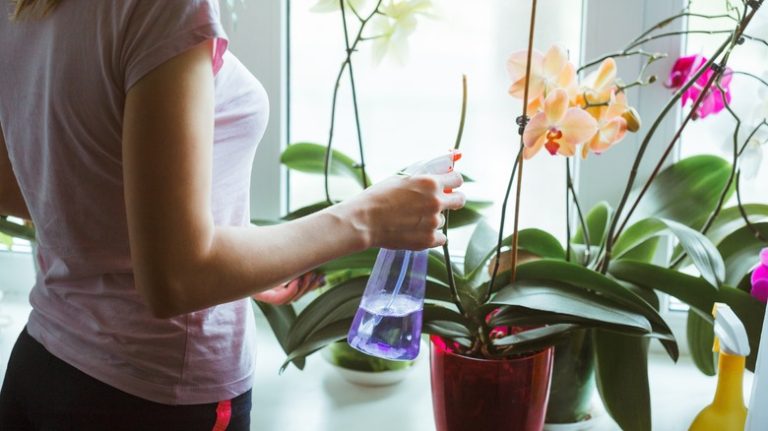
128	133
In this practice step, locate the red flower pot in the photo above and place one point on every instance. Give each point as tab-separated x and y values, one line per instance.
491	395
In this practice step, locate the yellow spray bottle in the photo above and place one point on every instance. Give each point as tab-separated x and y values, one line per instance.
727	411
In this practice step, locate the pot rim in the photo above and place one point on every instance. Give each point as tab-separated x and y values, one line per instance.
524	358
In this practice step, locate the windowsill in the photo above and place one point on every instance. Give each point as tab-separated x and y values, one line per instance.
320	399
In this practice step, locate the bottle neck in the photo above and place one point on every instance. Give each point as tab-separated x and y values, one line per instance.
730	378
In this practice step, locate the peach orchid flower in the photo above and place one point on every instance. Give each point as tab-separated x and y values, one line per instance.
611	125
558	128
548	72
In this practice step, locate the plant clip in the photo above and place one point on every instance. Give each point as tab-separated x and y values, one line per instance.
741	41
717	68
522	121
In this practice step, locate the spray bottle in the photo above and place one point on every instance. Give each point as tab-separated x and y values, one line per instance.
388	322
727	411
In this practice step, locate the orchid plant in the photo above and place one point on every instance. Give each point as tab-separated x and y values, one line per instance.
519	293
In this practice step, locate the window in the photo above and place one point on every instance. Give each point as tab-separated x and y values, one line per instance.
713	134
410	112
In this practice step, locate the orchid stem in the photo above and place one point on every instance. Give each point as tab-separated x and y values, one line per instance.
446	214
354	95
347	62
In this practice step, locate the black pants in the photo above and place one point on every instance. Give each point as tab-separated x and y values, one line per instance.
43	393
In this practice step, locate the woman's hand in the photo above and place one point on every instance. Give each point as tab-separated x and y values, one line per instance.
404	212
291	291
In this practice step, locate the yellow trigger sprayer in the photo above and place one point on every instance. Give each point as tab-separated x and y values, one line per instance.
727	411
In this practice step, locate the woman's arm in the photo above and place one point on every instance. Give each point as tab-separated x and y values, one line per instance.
182	262
11	201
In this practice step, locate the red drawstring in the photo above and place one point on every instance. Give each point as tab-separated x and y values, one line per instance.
223	415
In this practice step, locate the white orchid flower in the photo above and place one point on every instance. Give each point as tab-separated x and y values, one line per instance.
751	159
391	28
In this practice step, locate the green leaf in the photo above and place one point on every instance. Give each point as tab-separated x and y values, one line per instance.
362	260
597	224
535	339
540	243
483	238
305	211
280	318
730	219
577	276
741	251
332	332
644	252
337	303
701	250
535	241
6	240
310	158
686	192
621	371
446	323
463	217
697	293
589	309
701	336
15	230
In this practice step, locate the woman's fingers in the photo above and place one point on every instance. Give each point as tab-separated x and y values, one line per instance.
451	180
454	201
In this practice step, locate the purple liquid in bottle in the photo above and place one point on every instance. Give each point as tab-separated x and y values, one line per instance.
388	322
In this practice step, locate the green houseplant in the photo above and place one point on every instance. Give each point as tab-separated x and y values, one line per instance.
602	284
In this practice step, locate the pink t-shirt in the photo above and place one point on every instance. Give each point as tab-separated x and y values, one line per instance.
63	81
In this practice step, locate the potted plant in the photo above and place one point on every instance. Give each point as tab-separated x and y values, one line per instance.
599	288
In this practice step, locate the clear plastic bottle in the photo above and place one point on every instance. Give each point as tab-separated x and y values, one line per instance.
388	322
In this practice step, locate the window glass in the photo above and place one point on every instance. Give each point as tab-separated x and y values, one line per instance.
410	111
714	134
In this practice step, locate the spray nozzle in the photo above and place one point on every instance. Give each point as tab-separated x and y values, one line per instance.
439	165
730	335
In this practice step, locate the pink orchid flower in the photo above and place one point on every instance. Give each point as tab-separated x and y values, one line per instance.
548	72
760	278
714	100
558	128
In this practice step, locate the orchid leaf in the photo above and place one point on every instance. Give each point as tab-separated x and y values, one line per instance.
585	307
729	221
446	323
703	253
15	230
362	260
310	158
323	336
597	225
686	192
337	303
484	238
305	211
740	250
6	240
280	319
621	372
697	293
556	271
535	339
701	336
534	241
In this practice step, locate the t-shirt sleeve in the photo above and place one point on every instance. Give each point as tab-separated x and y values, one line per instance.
154	31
